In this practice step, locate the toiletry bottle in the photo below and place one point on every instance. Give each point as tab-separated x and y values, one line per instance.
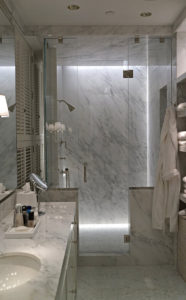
67	178
25	215
18	217
31	219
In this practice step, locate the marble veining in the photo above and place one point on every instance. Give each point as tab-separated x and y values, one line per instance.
49	245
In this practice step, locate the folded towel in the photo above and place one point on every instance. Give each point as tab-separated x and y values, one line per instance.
184	179
182	143
182	135
181	110
182	212
182	148
183	197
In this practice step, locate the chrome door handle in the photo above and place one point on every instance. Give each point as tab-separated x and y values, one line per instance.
85	171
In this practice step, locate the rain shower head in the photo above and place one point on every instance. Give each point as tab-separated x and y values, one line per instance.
70	107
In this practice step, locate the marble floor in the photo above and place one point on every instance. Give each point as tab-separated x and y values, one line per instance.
130	283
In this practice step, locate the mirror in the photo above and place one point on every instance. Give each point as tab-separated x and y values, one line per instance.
8	165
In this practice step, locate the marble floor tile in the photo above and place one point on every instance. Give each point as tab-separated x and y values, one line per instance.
130	283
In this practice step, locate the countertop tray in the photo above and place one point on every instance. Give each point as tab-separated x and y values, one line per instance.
16	233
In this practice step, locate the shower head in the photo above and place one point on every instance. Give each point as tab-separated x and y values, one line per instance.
70	107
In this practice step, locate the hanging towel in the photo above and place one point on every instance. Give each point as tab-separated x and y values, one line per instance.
167	188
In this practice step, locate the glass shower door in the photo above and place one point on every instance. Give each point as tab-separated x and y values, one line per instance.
102	149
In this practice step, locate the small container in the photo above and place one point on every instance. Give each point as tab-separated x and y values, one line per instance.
25	215
30	219
18	216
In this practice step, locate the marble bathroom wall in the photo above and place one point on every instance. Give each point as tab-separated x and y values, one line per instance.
7	205
8	170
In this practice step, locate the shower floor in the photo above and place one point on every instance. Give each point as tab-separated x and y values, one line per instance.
130	283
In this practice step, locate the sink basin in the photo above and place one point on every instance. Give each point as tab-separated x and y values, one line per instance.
17	269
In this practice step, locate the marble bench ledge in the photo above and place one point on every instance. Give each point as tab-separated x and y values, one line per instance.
141	188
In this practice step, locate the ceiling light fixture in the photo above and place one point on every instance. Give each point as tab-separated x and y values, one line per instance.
146	14
73	7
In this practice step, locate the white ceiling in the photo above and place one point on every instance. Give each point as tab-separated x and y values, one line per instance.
92	12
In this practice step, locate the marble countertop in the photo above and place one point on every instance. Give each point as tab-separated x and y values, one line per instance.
49	245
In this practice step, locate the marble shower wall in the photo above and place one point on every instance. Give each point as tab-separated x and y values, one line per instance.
99	138
8	170
137	93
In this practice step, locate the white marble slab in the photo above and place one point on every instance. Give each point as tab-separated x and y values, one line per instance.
148	246
49	245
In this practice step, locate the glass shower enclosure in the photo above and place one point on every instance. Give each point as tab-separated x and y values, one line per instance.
104	99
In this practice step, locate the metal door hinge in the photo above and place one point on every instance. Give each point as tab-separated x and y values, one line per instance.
128	74
126	238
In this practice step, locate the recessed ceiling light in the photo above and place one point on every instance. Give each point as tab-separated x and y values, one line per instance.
146	14
109	12
73	7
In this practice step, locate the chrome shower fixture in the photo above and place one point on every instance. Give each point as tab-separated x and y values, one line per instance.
70	107
40	186
38	182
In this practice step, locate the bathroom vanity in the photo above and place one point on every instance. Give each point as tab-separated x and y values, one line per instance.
55	248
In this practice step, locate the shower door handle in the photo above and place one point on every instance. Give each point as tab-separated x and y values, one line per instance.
85	171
